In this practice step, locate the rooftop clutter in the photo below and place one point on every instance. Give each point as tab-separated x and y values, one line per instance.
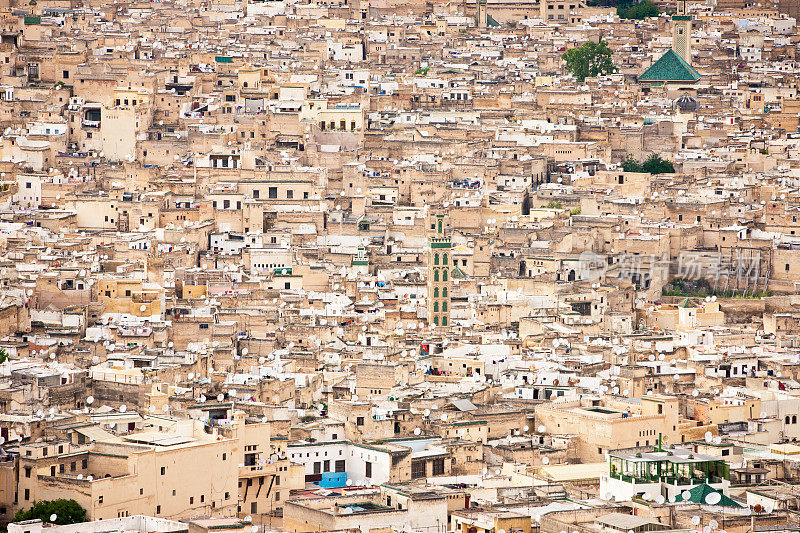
399	267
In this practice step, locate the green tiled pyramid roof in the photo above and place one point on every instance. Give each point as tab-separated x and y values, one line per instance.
670	67
699	493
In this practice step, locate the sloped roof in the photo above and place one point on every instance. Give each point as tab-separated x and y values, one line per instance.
626	522
699	493
463	405
670	67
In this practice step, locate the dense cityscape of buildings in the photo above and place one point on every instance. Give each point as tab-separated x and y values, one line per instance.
399	266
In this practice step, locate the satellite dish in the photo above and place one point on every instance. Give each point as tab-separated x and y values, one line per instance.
713	498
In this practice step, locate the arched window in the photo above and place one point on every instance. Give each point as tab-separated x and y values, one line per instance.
444	320
444	275
435	274
444	292
436	292
435	307
444	307
435	259
444	259
440	225
436	320
794	419
787	419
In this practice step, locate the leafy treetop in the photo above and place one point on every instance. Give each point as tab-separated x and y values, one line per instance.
589	60
654	164
66	511
638	11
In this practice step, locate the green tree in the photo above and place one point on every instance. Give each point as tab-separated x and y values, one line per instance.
655	164
3	355
66	511
589	60
640	11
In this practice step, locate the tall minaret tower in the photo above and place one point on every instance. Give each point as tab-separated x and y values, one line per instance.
439	283
481	14
682	32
